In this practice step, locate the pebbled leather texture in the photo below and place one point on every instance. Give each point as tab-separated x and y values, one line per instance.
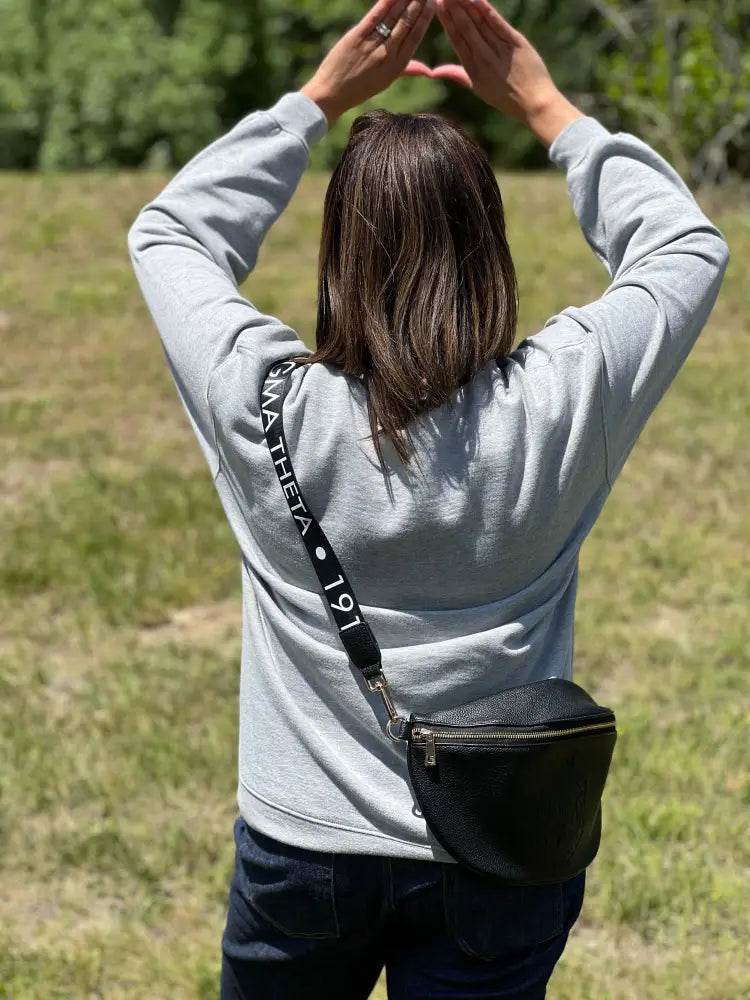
525	813
542	703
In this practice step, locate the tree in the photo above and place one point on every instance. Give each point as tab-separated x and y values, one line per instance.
678	73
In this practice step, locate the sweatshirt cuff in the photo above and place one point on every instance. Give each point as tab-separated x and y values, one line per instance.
570	147
297	113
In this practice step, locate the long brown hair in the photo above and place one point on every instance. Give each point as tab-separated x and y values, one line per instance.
417	285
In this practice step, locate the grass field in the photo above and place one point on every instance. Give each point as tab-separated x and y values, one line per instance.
120	628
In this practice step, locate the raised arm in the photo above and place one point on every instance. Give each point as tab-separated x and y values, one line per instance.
198	241
667	262
665	258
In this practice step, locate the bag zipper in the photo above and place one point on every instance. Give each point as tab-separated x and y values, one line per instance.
421	733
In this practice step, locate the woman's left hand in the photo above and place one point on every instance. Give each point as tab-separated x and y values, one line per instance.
364	63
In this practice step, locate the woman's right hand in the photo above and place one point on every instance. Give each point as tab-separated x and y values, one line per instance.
503	68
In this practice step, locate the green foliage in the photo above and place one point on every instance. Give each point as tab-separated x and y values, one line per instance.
102	83
21	84
680	77
90	83
128	78
102	66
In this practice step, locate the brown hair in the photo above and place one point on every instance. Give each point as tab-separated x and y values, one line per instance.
417	285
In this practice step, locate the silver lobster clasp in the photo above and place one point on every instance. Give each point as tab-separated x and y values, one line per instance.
379	683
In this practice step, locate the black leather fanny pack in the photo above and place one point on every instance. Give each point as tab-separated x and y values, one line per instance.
510	785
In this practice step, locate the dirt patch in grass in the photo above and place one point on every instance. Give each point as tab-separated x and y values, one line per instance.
618	684
198	625
22	476
624	946
66	656
621	965
69	909
672	623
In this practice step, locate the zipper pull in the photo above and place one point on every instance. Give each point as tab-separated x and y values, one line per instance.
430	759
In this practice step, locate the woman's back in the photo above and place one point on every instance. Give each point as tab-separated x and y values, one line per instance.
509	471
467	577
466	570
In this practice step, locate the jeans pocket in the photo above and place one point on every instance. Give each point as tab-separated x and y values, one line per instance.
489	920
290	887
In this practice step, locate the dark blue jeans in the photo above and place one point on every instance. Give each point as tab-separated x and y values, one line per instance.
304	925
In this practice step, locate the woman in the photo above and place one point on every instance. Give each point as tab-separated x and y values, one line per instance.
460	532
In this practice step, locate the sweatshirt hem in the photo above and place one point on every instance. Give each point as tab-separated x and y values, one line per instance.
312	833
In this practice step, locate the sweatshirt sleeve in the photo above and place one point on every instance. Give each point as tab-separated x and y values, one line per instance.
666	262
199	240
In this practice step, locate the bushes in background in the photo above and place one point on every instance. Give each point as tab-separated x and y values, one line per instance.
106	83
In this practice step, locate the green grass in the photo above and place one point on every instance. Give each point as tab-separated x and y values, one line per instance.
120	635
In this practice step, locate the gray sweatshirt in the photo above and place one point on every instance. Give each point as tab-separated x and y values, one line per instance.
466	575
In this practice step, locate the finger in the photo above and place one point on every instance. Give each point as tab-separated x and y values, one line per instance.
467	41
483	16
384	12
413	26
454	73
502	28
416	68
452	29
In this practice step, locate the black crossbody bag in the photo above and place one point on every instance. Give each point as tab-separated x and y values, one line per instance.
510	785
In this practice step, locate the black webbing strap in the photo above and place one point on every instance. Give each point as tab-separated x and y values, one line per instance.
354	632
